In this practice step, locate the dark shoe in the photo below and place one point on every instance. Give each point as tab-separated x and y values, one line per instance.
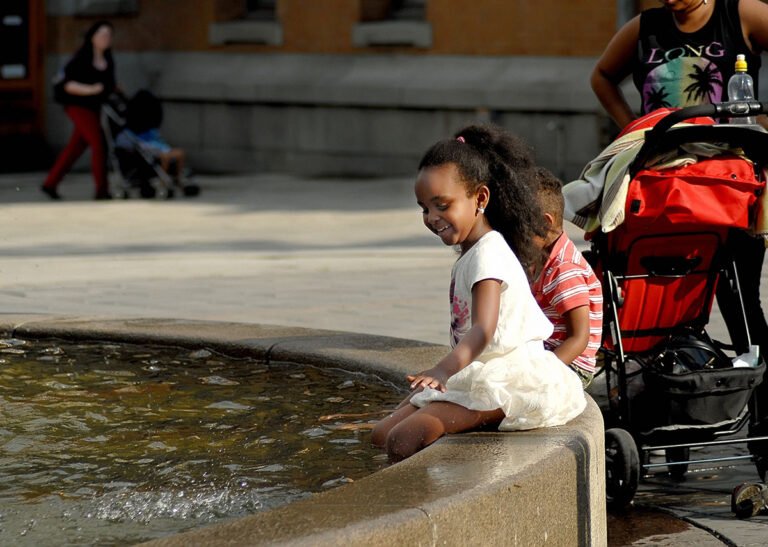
51	193
102	195
748	499
147	191
191	190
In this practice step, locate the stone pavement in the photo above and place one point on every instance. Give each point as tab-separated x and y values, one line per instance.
347	255
326	253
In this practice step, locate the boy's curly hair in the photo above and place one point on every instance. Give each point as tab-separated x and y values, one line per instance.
489	155
549	190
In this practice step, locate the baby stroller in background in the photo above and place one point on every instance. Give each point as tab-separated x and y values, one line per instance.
659	270
134	164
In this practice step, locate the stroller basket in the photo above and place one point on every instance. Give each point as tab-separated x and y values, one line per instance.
695	400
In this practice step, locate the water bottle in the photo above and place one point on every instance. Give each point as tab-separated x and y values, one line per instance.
741	88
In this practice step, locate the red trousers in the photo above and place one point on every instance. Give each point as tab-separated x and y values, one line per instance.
87	132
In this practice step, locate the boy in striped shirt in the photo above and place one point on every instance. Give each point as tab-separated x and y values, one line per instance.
566	288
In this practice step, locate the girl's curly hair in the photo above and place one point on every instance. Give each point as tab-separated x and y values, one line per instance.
489	155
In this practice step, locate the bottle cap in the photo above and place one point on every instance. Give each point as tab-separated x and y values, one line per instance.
741	63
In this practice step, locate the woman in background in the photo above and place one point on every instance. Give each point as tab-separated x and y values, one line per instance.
681	54
87	82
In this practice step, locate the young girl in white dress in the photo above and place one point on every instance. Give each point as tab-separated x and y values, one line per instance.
474	195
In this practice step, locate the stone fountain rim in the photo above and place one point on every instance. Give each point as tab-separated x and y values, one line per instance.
352	514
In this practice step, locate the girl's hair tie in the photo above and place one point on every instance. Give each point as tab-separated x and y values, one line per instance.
460	139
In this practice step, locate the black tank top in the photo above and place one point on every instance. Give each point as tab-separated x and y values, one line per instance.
676	69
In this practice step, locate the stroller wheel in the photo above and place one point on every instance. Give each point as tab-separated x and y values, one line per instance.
622	467
169	193
677	471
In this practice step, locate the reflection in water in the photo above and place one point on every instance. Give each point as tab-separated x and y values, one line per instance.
113	444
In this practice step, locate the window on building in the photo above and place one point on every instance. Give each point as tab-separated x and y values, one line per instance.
263	10
393	23
397	10
88	8
255	23
408	10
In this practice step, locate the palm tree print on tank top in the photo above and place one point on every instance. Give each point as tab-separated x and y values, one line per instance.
683	81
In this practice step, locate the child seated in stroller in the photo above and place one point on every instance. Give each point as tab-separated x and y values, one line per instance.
171	159
143	118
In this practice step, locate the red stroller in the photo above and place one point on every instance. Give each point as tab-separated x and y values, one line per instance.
660	268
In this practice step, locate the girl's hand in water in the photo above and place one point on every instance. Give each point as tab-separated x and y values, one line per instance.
433	378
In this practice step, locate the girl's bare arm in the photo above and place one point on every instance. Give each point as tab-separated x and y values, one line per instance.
486	296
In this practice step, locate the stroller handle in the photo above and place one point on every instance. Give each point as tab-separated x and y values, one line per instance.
734	109
753	139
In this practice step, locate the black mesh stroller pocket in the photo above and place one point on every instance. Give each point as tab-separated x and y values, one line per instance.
702	398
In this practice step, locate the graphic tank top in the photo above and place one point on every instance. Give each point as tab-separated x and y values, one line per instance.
677	69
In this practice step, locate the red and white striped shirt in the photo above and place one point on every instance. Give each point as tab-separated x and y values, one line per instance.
567	282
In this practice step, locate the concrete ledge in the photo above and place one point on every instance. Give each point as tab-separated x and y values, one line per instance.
386	80
527	488
393	33
388	357
246	32
538	84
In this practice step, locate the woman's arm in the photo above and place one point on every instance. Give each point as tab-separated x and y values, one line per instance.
754	24
486	297
83	90
612	68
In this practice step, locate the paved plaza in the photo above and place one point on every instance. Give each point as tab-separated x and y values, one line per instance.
337	254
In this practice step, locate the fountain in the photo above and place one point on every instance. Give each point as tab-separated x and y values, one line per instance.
498	485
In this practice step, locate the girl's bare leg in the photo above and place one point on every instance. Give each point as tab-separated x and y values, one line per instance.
381	430
421	427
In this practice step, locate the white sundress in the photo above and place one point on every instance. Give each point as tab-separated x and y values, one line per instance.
515	373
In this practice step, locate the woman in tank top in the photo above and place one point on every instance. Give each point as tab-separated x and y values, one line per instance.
681	54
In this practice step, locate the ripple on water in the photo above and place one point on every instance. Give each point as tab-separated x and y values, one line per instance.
117	444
